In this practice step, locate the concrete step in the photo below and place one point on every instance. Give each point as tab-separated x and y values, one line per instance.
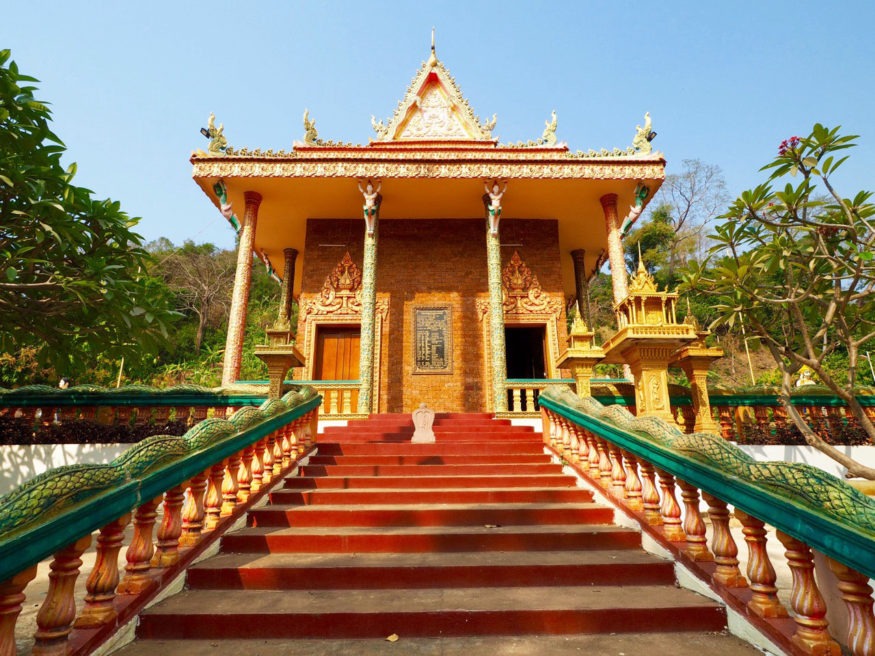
439	495
441	539
503	514
523	469
388	459
493	447
412	482
217	614
303	571
629	644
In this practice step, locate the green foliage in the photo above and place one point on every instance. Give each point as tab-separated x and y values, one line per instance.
73	279
792	262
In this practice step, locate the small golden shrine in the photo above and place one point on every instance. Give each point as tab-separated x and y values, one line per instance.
695	358
581	356
647	339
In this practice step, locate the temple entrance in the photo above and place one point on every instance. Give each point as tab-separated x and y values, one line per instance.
337	353
524	348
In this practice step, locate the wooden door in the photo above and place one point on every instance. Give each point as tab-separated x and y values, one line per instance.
337	353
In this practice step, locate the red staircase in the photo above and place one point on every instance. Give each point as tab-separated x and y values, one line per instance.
476	544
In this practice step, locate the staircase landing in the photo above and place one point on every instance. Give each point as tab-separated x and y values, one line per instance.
477	544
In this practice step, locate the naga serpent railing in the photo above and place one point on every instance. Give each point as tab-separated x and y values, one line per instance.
640	463
206	479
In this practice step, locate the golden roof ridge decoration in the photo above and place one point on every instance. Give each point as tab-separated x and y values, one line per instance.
643	281
457	106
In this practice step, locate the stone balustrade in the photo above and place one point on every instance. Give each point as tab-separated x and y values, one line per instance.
203	481
664	478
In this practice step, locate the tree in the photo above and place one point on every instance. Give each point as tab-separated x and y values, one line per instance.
795	266
73	274
201	277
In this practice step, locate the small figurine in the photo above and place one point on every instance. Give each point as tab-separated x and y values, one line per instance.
494	208
372	202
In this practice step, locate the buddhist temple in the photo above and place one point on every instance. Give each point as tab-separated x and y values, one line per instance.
433	264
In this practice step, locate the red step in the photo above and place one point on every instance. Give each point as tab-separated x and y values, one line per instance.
440	495
444	449
410	482
303	571
431	470
413	515
431	539
514	458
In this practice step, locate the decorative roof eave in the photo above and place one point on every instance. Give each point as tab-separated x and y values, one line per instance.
547	166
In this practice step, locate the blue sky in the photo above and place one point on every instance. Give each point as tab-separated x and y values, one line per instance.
130	85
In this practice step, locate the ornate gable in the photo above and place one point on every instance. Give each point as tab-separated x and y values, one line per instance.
522	291
341	293
434	109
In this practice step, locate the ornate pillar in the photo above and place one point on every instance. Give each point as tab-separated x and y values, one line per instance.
240	297
371	210
615	247
284	317
581	285
492	200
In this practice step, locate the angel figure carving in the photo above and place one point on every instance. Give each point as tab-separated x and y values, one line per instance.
548	138
218	142
378	126
643	136
494	207
372	202
311	137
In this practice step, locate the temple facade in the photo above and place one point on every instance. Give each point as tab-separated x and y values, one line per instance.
433	264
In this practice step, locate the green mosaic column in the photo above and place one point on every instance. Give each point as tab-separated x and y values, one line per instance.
369	303
496	320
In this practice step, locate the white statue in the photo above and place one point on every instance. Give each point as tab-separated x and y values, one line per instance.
372	197
494	208
423	419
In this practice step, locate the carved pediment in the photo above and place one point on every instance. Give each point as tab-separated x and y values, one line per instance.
434	109
523	293
341	293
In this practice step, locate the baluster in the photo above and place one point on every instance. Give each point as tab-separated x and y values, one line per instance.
530	399
649	494
547	426
574	437
517	399
297	447
567	432
857	595
556	434
689	415
213	499
55	617
244	475
605	466
347	401
199	414
723	546
809	608
764	598
11	600
267	461
633	483
104	578
140	551
670	510
727	422
332	402
694	525
286	446
779	414
220	412
277	454
257	467
170	530
761	414
193	511
834	420
618	474
230	486
593	456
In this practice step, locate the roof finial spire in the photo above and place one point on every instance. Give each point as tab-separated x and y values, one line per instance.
432	60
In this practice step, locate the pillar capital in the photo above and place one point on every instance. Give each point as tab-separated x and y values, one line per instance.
609	201
252	198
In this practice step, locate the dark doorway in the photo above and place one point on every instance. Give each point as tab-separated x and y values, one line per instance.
524	348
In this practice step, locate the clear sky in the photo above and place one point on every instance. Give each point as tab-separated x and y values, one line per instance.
131	84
